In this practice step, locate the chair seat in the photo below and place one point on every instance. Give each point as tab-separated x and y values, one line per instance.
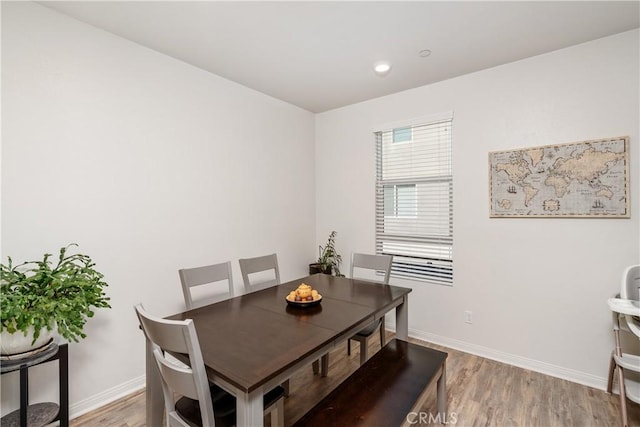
370	329
224	411
224	406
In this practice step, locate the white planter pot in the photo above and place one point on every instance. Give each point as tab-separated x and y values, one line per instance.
19	343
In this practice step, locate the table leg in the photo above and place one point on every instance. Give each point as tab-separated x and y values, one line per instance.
155	400
250	409
402	320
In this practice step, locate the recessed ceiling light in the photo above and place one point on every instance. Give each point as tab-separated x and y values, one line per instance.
382	68
424	53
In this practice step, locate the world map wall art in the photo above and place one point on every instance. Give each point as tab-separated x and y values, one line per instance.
587	179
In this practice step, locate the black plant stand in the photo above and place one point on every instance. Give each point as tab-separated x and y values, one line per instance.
39	414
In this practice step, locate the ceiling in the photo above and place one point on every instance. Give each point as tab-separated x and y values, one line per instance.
319	55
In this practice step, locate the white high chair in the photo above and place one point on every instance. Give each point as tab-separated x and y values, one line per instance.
626	317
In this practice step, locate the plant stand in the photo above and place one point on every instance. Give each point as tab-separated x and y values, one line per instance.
39	414
317	268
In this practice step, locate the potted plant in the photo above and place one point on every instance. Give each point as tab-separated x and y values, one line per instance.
39	298
328	260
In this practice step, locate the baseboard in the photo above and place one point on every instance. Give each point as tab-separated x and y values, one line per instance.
511	359
96	401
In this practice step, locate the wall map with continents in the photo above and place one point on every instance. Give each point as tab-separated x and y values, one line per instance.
581	179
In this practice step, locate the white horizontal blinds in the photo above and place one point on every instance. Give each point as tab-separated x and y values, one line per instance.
414	203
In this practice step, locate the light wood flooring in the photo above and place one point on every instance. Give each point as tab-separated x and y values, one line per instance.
480	392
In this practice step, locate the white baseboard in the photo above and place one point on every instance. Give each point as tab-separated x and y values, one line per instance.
511	359
515	360
96	401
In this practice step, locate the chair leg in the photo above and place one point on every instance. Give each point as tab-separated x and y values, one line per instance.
285	386
612	368
382	332
324	365
316	367
349	347
363	350
623	398
623	395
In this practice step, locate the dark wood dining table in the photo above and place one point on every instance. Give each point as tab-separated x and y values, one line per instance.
256	341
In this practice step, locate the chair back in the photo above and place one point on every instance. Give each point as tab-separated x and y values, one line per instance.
264	270
178	337
372	262
201	285
631	283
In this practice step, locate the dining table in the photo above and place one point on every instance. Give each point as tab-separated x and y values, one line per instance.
256	341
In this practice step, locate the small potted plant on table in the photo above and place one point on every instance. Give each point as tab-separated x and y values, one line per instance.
39	298
328	260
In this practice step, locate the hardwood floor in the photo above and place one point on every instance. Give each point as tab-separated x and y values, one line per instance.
480	392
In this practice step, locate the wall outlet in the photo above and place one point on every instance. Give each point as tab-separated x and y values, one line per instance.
468	316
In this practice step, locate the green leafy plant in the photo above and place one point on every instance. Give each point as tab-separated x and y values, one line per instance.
329	260
43	295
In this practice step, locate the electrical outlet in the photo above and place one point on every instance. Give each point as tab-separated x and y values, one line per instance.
468	316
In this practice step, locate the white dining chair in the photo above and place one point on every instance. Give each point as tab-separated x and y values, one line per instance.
201	403
206	285
260	272
374	264
377	265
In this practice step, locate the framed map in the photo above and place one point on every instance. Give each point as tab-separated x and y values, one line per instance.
581	179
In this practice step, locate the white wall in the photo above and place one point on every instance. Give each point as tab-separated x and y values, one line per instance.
150	165
537	287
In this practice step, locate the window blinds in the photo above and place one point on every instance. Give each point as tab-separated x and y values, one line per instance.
414	200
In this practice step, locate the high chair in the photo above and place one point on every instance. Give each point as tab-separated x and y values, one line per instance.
626	318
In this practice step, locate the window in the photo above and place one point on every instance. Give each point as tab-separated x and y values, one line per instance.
414	200
402	134
400	200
